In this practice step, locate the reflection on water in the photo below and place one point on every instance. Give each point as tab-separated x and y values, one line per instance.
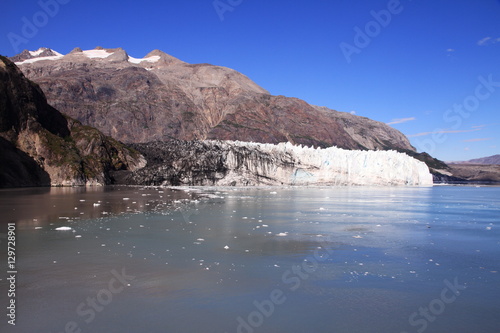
255	259
34	207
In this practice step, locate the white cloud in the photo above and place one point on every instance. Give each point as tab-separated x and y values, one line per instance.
488	41
400	120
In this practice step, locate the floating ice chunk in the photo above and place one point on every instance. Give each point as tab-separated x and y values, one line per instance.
200	240
226	247
357	236
126	199
282	234
37	228
78	236
64	228
273	192
97	204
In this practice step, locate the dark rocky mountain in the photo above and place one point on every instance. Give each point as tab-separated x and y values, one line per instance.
39	146
160	97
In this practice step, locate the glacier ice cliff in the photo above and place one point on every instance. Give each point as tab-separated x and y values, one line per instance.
235	163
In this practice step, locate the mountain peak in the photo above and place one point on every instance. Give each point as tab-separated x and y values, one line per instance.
163	57
98	53
42	52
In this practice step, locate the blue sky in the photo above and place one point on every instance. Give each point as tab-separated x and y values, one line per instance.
430	68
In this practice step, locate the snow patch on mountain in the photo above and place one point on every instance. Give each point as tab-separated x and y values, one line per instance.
32	60
97	54
148	59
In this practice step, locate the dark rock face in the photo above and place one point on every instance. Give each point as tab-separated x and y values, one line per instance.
193	163
160	97
18	169
40	146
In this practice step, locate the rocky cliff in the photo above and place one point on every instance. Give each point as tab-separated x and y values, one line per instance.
40	146
236	163
160	97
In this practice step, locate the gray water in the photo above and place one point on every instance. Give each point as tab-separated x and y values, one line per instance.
332	259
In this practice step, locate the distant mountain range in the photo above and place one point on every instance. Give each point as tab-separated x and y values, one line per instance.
160	97
495	159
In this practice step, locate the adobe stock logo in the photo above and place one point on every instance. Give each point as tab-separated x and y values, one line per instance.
30	27
456	114
88	310
373	28
428	314
221	7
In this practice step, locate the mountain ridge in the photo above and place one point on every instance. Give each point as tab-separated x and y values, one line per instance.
159	97
494	159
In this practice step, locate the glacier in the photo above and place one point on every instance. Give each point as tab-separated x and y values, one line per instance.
299	165
236	163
